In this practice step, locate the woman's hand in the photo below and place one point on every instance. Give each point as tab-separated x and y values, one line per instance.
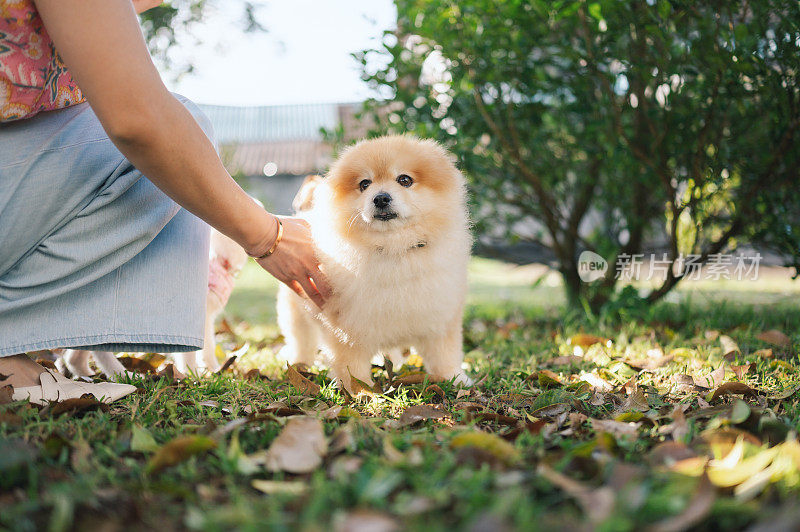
140	6
294	263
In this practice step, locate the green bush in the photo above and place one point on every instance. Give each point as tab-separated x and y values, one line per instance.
607	125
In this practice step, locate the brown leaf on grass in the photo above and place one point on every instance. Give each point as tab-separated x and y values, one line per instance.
366	521
137	365
6	394
492	417
669	452
285	487
171	372
697	509
227	365
436	390
49	364
280	409
488	443
733	388
785	394
649	364
179	450
414	377
616	428
775	337
84	403
416	413
302	383
712	380
764	353
636	401
729	345
224	326
254	375
546	378
744	369
587	340
299	447
597	382
550	410
597	503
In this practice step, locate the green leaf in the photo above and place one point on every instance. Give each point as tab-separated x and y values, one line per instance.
595	12
740	412
142	441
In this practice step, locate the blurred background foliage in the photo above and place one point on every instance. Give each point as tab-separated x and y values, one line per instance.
165	25
608	126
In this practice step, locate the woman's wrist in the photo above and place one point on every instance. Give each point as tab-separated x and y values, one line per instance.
264	237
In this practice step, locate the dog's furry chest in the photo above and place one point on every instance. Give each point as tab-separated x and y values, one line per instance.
390	301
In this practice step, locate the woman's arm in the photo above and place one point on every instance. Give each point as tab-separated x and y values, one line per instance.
102	45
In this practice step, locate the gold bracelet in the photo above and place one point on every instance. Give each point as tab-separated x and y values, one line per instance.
278	238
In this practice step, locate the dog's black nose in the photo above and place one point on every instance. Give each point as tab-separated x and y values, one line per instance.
382	200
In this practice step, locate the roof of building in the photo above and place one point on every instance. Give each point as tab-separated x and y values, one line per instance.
290	136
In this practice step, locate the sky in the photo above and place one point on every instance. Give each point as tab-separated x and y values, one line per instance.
304	57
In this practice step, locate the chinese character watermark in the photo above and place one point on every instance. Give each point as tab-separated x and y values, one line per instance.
641	267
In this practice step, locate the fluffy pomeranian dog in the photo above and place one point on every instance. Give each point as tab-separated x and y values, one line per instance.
391	230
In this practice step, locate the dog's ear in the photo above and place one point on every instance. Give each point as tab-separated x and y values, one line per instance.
304	198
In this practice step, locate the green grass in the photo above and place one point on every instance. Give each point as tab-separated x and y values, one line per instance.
561	469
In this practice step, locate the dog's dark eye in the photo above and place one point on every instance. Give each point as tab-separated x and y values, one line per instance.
362	186
405	180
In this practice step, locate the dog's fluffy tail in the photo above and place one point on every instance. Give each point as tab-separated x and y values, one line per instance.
304	199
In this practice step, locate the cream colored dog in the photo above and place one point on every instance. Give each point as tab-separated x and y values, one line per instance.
391	230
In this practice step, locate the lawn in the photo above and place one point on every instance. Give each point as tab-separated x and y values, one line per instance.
685	416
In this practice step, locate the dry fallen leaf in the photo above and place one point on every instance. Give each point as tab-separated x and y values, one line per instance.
289	487
743	370
712	380
669	452
597	382
299	447
416	413
732	388
86	402
137	365
490	443
178	450
587	340
302	383
6	393
414	377
546	378
636	401
616	428
729	345
764	353
775	337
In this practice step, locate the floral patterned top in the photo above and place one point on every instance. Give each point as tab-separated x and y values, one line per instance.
32	76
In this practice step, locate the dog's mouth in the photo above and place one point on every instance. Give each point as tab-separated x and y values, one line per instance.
385	216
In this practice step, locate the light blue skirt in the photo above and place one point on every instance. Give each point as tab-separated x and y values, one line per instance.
92	254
